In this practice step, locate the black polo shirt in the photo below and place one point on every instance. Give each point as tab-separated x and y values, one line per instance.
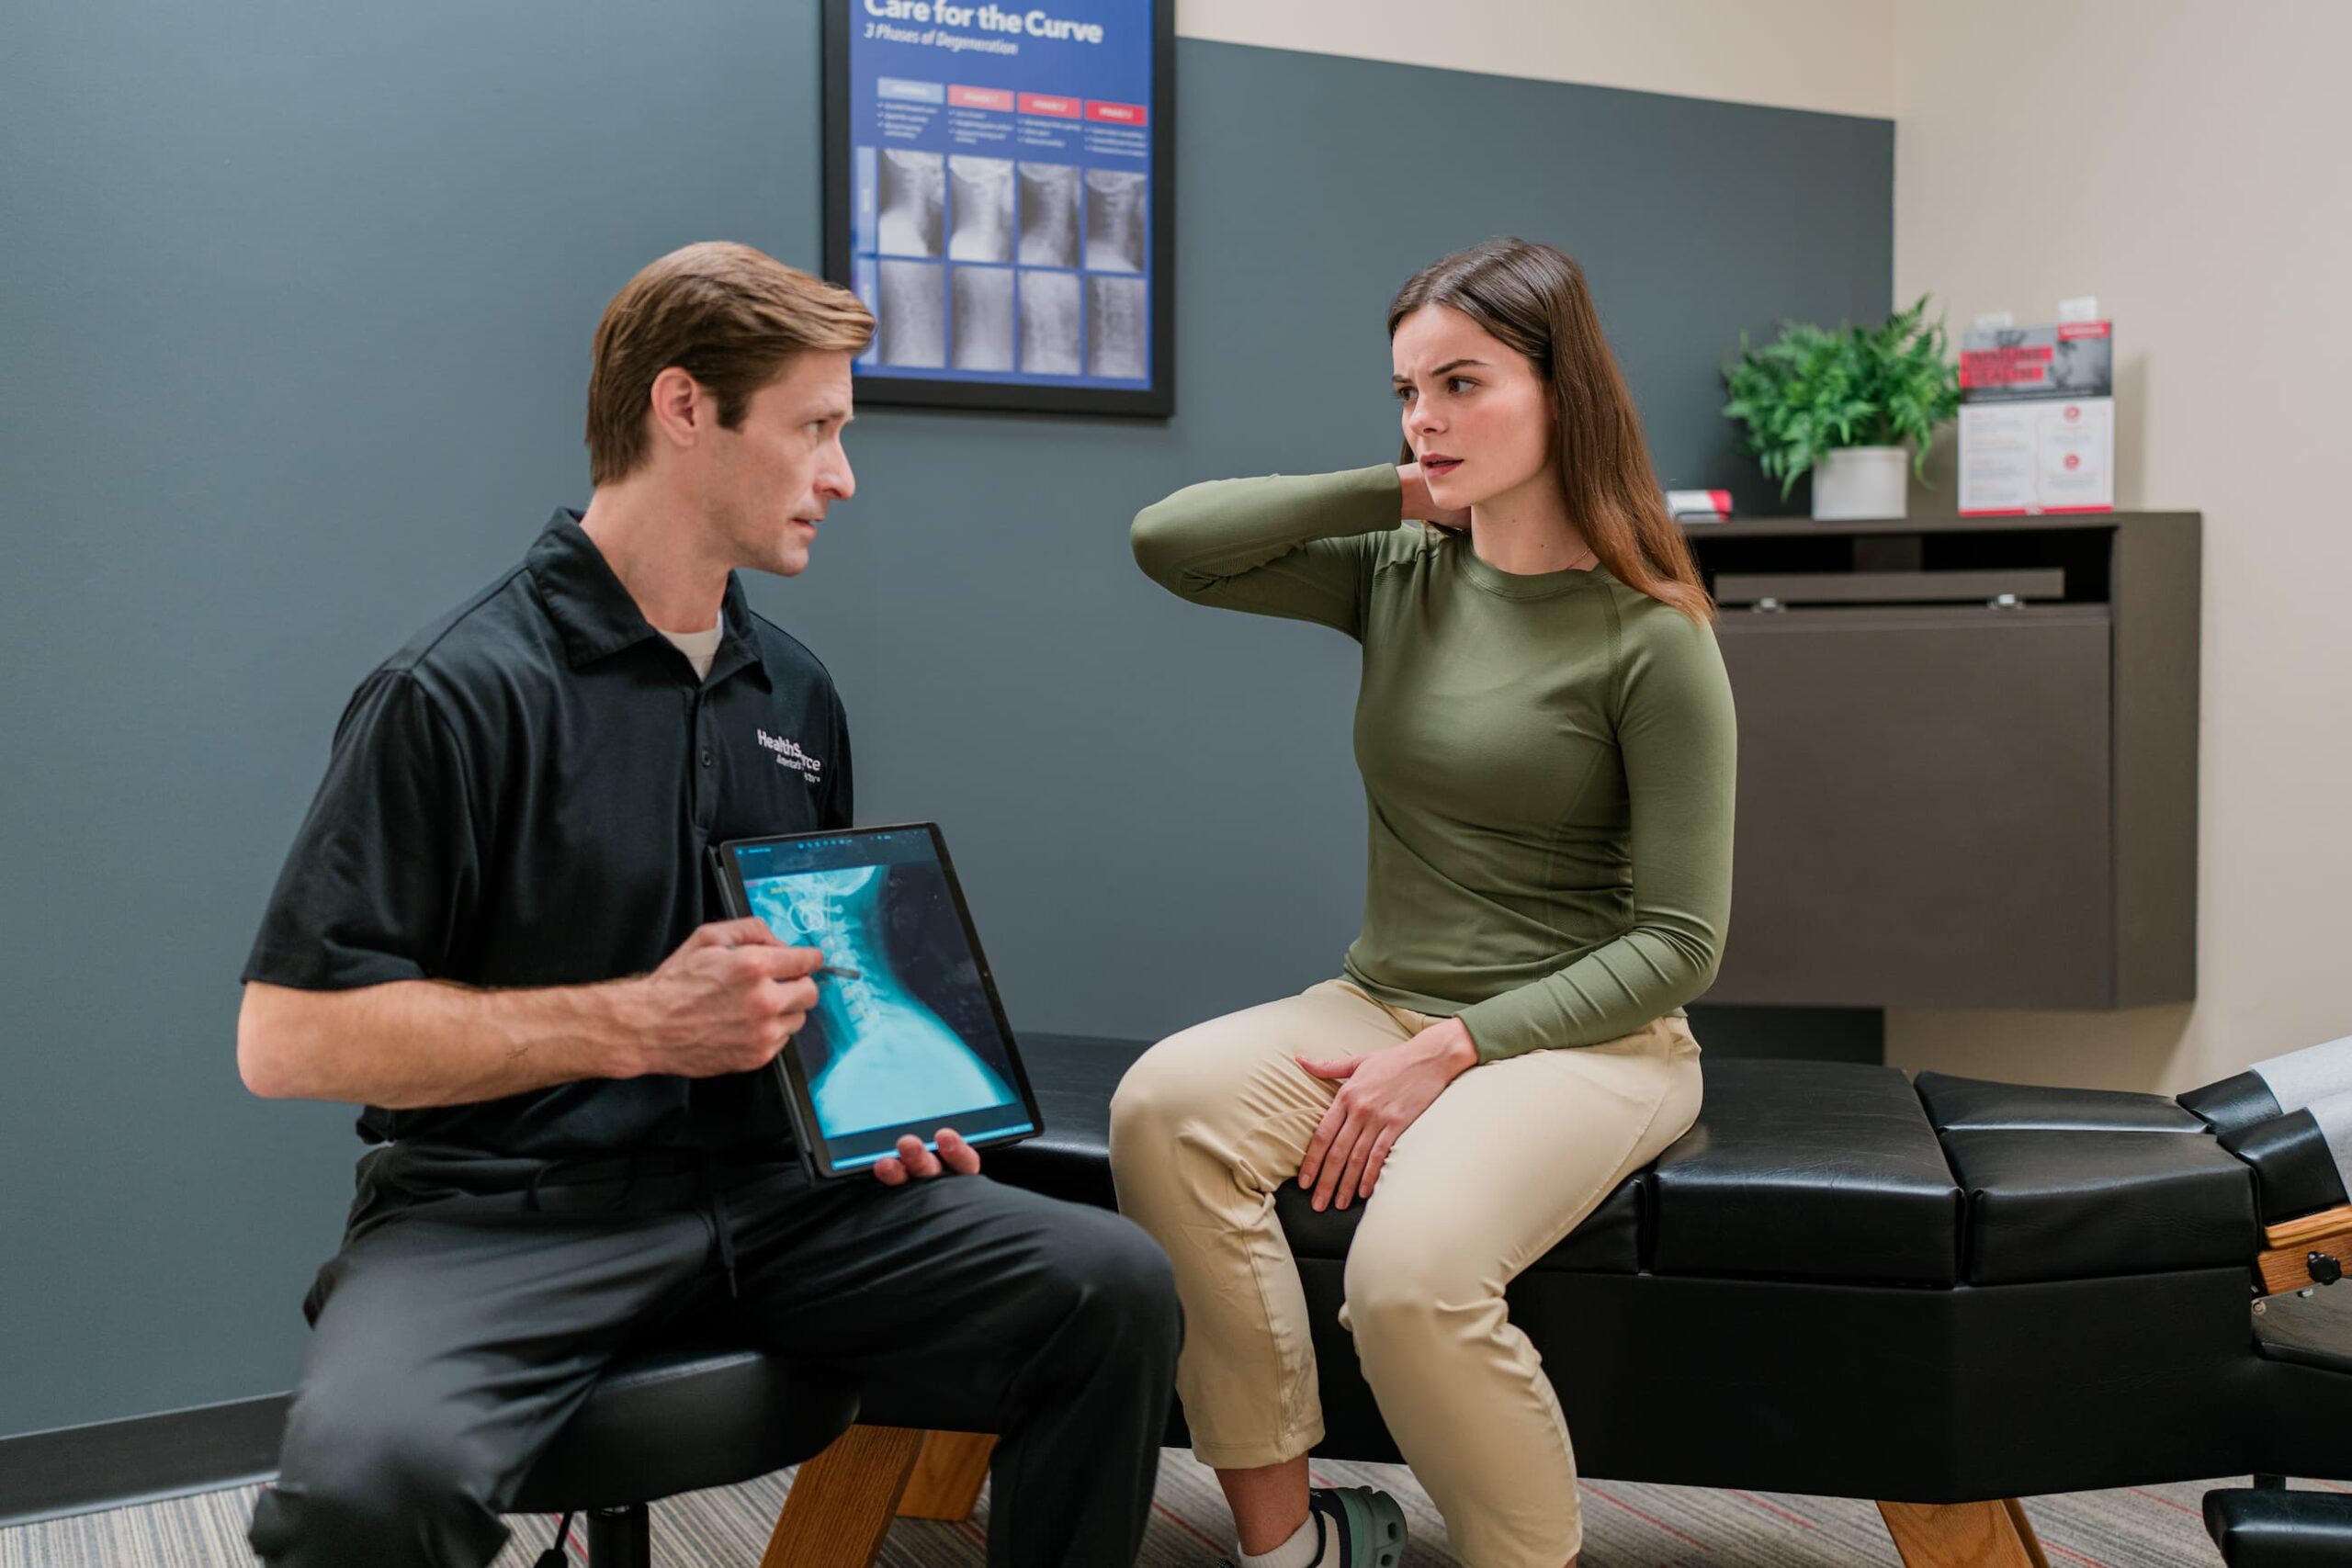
523	796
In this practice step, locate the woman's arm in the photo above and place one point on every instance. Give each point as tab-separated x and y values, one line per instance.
1677	733
1297	545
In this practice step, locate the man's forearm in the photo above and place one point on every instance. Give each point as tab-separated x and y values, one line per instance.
418	1042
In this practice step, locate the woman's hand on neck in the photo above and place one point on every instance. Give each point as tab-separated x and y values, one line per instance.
1526	530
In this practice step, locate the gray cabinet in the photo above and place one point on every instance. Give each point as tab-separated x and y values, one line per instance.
1967	769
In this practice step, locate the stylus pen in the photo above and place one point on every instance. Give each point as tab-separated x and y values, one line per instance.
828	972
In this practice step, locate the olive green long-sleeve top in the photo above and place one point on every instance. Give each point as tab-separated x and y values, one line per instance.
1548	760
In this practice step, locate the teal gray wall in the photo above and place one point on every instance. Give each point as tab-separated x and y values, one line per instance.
296	304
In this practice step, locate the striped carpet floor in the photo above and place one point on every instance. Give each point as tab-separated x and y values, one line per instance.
1626	1525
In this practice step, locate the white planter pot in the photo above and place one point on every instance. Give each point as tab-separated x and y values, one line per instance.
1860	482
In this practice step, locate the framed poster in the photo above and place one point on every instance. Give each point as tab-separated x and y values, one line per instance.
998	185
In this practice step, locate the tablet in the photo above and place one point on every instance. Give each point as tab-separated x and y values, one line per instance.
908	1034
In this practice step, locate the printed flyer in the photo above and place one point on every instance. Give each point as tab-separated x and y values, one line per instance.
2037	420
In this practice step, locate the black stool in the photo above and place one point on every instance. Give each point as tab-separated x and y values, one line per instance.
680	1417
2269	1528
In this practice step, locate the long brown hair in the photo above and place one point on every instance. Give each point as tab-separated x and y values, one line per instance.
1533	299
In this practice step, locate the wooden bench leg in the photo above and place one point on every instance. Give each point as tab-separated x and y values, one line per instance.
842	1501
949	1473
1963	1535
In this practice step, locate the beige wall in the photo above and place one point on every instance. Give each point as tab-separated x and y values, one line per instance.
1834	55
2187	164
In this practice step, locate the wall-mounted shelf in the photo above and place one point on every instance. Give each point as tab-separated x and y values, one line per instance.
1968	760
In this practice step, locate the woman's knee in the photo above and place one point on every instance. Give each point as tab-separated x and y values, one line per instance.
1156	1094
1408	1289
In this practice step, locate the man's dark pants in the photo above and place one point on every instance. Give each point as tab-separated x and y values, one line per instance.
466	1319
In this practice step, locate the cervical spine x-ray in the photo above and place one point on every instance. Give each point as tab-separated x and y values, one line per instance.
876	1052
1114	213
1050	206
983	208
914	203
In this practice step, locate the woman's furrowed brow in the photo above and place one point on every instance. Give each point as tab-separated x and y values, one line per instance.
1450	365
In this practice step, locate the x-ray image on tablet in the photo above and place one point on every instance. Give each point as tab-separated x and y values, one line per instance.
908	1034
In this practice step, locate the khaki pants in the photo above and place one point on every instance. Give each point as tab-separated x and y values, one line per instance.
1507	1161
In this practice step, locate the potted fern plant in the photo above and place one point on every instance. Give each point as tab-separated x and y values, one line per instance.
1842	405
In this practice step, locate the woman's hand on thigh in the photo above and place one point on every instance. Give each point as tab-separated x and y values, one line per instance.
1382	1093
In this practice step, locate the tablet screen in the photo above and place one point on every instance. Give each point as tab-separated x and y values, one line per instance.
909	1040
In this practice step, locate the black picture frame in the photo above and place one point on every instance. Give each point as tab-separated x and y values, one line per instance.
1157	400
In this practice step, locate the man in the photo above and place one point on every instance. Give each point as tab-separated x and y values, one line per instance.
490	932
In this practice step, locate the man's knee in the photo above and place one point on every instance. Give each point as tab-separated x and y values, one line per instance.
365	1482
1125	1284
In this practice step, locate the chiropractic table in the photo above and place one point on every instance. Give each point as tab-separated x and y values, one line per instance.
1944	1296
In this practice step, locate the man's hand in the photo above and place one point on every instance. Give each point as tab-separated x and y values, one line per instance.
724	1002
915	1163
1384	1092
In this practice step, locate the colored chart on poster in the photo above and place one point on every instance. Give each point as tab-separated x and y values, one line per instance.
1000	181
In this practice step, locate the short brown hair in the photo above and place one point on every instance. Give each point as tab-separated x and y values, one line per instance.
726	314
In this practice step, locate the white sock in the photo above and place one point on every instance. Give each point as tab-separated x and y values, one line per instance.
1303	1549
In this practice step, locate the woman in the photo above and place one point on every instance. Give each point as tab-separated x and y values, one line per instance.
1545	732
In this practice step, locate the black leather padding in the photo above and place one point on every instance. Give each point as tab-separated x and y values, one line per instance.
2293	1163
1812	1171
681	1418
1073	1077
2236	1101
1861	1392
2266	1529
1609	1241
2078	1205
1953	1103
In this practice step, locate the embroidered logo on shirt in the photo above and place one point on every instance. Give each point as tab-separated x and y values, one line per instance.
789	754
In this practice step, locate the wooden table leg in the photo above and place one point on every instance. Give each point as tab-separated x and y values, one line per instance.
1963	1535
948	1475
841	1503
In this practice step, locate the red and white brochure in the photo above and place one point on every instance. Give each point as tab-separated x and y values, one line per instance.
2037	420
